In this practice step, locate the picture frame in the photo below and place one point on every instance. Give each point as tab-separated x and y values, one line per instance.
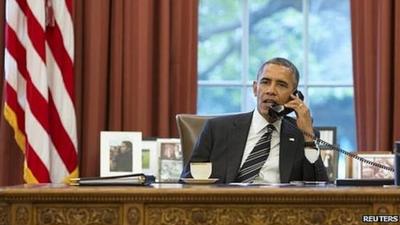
362	170
171	159
330	159
150	157
327	134
120	153
329	156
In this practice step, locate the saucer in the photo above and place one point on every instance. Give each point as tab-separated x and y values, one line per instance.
199	181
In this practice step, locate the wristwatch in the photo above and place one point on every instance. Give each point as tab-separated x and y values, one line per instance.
311	144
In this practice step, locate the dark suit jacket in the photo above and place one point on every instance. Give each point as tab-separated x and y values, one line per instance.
223	141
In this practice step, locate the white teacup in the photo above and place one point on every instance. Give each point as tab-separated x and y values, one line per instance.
201	170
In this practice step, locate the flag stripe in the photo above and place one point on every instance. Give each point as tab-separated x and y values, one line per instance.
14	70
69	6
35	29
57	167
39	105
46	152
14	78
64	24
12	102
36	112
61	57
62	142
37	137
16	50
34	63
38	169
14	81
39	92
63	104
61	87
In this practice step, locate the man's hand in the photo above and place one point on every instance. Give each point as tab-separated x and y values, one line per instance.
304	121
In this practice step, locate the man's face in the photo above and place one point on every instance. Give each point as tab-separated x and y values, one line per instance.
274	86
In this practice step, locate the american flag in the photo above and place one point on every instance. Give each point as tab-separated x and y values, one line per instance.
39	87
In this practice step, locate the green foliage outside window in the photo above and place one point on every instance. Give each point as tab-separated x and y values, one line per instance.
276	28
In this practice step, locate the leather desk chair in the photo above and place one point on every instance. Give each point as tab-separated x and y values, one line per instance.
189	128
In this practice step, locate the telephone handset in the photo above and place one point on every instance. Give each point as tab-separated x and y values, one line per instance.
280	110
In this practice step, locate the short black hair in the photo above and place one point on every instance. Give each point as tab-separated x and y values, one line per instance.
282	62
128	144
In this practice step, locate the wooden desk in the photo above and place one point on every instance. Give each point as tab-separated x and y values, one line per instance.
177	204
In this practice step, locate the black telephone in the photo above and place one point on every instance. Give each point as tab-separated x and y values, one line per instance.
280	110
276	111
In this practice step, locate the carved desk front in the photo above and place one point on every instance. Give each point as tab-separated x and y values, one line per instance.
187	205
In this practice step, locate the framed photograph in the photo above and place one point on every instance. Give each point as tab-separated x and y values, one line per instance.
327	134
330	158
171	159
361	170
150	155
120	153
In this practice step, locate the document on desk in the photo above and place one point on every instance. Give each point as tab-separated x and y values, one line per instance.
125	180
261	184
291	184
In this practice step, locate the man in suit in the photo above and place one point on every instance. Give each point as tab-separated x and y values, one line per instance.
278	146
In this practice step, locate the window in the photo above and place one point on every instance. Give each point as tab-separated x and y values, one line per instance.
236	37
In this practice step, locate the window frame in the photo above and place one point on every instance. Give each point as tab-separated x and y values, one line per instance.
244	82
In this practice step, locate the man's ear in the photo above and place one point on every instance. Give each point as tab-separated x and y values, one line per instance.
255	88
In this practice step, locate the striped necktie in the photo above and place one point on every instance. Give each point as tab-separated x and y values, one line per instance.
257	157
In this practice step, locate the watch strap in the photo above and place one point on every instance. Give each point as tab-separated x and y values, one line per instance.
310	144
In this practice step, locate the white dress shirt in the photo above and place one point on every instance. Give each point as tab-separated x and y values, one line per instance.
269	173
